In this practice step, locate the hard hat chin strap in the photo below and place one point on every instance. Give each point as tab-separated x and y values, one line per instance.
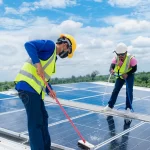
63	54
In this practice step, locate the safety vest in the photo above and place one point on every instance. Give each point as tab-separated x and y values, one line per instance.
28	73
125	68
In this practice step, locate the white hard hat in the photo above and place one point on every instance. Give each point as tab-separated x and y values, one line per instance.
121	48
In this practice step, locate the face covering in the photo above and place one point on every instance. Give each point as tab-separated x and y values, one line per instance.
63	54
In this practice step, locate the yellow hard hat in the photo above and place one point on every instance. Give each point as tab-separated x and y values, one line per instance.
73	42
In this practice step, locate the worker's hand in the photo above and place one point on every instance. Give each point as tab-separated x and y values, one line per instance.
40	70
112	71
124	76
52	94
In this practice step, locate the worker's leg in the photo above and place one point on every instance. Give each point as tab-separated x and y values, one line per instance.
32	103
118	85
129	90
45	132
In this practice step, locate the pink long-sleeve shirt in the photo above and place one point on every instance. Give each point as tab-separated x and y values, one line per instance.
133	62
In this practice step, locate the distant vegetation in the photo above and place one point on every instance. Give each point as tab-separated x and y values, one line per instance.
141	79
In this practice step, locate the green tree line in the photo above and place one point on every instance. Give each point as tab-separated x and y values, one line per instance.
142	79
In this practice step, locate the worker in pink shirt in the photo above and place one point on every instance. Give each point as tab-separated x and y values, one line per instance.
123	66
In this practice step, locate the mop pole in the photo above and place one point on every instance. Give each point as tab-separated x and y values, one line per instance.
67	116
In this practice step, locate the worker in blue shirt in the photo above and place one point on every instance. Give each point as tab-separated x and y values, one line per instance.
30	86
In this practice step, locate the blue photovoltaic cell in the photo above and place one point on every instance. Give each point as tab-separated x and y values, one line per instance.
95	128
102	89
138	139
82	85
126	142
56	114
59	88
69	95
99	100
108	89
143	132
19	118
141	106
10	104
15	121
140	93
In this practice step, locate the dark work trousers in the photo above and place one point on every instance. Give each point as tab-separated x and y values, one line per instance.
129	88
37	118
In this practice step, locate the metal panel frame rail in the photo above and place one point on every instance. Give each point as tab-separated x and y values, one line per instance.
24	140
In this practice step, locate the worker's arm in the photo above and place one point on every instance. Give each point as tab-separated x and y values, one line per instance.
112	66
51	93
111	70
47	90
133	65
134	68
33	48
40	49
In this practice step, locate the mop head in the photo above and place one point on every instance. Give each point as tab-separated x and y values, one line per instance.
86	145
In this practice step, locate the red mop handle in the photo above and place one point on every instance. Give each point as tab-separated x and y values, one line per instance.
78	132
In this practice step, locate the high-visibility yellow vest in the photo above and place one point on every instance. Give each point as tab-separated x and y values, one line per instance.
125	68
28	73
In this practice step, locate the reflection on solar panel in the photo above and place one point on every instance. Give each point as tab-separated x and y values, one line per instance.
83	103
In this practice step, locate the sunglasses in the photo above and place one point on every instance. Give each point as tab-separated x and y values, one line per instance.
122	54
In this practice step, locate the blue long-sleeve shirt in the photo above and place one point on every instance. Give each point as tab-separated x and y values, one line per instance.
37	49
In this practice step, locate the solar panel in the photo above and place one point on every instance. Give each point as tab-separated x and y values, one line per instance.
105	131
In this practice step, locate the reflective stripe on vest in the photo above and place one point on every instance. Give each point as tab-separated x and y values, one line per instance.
125	66
44	67
28	73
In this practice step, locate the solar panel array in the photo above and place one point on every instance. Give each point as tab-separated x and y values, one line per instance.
103	131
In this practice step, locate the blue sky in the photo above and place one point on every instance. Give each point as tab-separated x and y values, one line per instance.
88	11
97	25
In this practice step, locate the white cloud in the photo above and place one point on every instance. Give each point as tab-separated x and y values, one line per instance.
70	25
20	11
124	3
112	20
12	54
10	10
133	26
1	2
141	42
44	4
78	18
54	3
42	28
98	1
122	25
95	45
9	23
142	11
